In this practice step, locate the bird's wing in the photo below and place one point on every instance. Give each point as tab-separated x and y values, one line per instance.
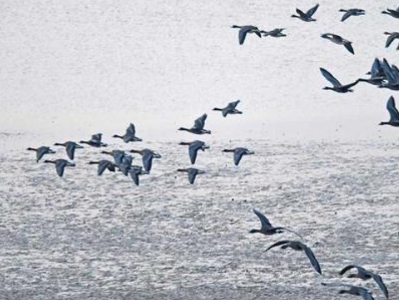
375	68
135	176
60	167
238	154
192	151
70	150
393	112
300	13
200	122
389	41
348	46
365	294
380	283
102	166
347	268
147	161
346	15
279	243
233	104
131	130
263	220
311	11
242	35
312	258
388	72
118	157
40	153
192	174
96	137
327	75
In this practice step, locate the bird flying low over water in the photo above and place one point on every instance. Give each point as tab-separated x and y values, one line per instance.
41	151
135	172
351	12
392	12
336	39
192	173
147	157
198	127
95	141
299	246
392	36
70	148
239	153
193	149
130	135
244	30
277	32
60	165
230	109
364	274
393	113
352	290
337	86
267	228
103	165
117	155
307	17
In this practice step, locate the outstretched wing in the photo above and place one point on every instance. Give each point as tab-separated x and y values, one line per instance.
147	161
346	15
375	68
381	284
192	152
200	122
70	150
311	11
238	154
96	137
192	174
327	75
349	47
347	268
312	258
233	104
393	112
278	244
300	13
263	220
390	39
131	130
60	167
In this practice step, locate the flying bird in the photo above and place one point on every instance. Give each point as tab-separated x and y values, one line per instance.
60	165
117	155
244	30
95	141
392	12
193	149
147	157
337	86
298	246
230	109
41	151
239	153
130	135
351	12
198	127
392	36
277	32
307	17
103	165
70	148
364	274
336	39
135	173
267	228
352	290
192	173
393	112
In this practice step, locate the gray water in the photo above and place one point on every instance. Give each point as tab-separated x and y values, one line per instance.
322	166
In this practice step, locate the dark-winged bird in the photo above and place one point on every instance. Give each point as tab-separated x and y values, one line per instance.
391	75
95	141
239	153
244	30
117	155
147	157
336	39
130	135
41	151
70	148
193	149
308	16
192	173
103	165
377	74
364	274
352	290
198	127
392	12
135	173
298	246
392	36
277	32
230	109
337	86
60	165
351	12
267	228
393	113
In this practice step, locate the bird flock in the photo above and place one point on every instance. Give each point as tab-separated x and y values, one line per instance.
382	74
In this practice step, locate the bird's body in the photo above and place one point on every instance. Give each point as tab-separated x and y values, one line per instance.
277	32
70	148
244	30
377	74
393	113
147	157
103	165
130	135
230	109
41	151
299	246
95	141
198	127
193	148
192	173
239	153
60	165
126	164
364	274
337	86
267	228
336	39
351	12
308	16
